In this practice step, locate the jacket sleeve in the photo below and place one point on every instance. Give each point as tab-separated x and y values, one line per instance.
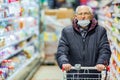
62	50
104	49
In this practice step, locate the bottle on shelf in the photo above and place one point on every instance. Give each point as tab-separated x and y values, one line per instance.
10	70
4	63
5	71
1	75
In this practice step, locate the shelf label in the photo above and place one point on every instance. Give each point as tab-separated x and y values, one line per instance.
12	1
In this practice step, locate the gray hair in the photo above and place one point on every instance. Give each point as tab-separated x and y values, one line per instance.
90	9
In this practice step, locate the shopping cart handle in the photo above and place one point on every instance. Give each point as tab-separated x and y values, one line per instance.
78	67
63	69
87	68
92	68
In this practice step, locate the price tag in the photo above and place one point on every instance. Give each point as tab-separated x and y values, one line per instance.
12	1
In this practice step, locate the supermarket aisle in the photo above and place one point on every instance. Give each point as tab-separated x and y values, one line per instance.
48	73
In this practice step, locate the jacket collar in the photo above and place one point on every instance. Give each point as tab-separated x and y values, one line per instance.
92	25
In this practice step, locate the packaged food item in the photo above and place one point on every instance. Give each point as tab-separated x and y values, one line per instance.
118	56
5	71
4	63
1	75
10	70
117	8
118	69
2	41
29	51
21	44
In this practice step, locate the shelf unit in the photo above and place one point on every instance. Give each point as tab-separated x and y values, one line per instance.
22	67
108	16
19	20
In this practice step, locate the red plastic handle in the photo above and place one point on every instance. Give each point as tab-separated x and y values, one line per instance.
108	68
63	69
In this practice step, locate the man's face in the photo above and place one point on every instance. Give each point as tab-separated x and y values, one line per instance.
83	14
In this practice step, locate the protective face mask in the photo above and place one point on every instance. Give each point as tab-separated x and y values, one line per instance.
83	23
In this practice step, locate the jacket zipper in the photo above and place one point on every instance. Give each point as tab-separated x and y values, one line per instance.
83	51
84	42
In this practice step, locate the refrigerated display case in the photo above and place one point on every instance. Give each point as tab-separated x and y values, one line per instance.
19	38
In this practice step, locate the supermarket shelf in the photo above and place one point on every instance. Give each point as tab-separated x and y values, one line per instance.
20	34
116	25
6	4
13	32
6	19
116	1
17	51
108	27
101	23
116	46
100	12
106	18
116	35
11	55
110	31
116	60
49	19
7	33
18	70
113	33
111	75
116	15
116	73
104	3
33	4
16	42
34	70
21	3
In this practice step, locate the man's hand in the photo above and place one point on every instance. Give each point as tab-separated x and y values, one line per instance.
100	67
67	67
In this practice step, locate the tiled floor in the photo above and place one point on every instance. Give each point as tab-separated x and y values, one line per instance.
48	73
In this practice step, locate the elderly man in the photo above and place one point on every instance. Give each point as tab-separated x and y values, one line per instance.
85	42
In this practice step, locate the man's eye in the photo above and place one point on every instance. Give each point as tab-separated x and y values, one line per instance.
79	13
83	13
86	13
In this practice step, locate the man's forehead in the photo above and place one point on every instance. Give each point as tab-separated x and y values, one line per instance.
83	9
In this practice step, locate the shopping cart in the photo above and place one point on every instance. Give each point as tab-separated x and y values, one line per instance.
85	73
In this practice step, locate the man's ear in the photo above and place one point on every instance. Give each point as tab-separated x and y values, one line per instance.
75	16
92	16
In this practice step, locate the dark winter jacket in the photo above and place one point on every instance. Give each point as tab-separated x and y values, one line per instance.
89	51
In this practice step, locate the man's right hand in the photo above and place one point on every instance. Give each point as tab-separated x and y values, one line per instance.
67	67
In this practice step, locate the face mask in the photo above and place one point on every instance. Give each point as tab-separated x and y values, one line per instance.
83	23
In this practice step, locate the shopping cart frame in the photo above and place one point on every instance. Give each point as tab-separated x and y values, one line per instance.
102	75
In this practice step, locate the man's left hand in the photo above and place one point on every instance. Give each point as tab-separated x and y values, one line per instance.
100	67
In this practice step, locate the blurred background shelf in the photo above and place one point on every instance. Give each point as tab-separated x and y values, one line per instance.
30	26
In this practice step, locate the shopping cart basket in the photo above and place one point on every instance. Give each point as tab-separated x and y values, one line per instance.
84	73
